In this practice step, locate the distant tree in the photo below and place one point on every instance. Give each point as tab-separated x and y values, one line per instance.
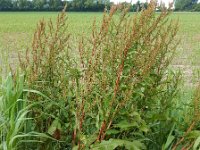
101	4
55	4
5	4
23	4
39	4
138	6
144	5
185	5
134	8
197	7
90	5
69	4
76	5
95	5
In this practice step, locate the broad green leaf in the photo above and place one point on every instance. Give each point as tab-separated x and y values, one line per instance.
75	148
125	125
112	131
196	144
114	143
108	145
144	128
55	125
91	139
170	139
193	134
134	145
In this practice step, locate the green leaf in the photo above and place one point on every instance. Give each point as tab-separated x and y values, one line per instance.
114	143
112	131
196	144
75	148
55	125
193	134
134	145
90	139
107	145
125	125
170	139
144	128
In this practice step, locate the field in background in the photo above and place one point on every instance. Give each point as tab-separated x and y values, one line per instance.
16	32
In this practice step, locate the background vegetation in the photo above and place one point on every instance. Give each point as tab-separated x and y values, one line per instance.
187	5
85	5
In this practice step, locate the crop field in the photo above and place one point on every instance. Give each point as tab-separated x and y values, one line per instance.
17	29
114	89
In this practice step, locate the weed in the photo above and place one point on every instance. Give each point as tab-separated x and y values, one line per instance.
111	90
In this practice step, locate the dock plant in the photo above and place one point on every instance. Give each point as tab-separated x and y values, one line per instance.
112	89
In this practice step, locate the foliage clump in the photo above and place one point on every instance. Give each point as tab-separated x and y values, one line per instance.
112	89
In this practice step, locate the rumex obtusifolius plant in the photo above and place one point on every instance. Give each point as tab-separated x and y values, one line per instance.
125	69
50	70
113	90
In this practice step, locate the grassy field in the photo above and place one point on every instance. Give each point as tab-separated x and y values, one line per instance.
20	23
16	32
17	27
25	22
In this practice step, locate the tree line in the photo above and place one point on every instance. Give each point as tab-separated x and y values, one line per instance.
187	5
83	5
57	5
53	5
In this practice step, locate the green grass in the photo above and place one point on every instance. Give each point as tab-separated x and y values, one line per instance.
25	22
190	36
18	26
16	31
